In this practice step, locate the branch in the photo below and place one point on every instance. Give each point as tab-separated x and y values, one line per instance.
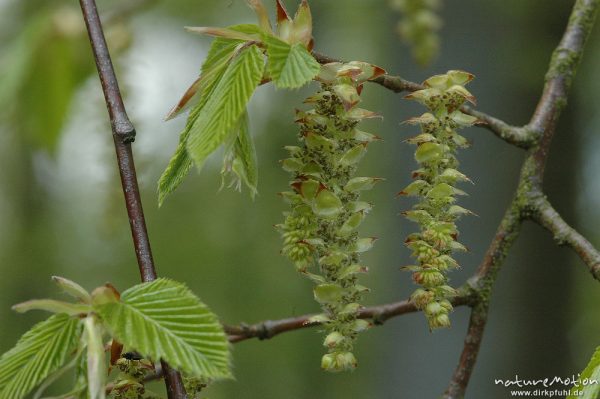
563	65
378	314
529	196
546	216
518	136
521	137
482	284
460	379
559	78
123	135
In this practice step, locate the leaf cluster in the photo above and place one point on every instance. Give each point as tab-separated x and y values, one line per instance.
240	59
160	320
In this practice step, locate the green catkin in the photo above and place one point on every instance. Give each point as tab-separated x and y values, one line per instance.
130	384
319	233
194	386
435	186
419	27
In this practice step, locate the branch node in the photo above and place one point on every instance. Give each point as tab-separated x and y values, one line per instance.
378	318
125	131
264	331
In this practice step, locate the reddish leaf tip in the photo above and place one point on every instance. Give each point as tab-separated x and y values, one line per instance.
282	13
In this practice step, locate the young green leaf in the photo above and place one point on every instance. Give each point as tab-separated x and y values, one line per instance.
226	104
96	372
219	57
240	158
165	320
221	45
40	352
302	25
179	165
73	289
51	379
197	94
591	372
290	66
52	305
262	14
220	32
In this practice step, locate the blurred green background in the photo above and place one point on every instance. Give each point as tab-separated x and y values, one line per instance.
61	206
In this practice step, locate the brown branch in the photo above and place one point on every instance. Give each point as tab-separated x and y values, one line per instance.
545	215
468	357
270	328
378	314
518	136
559	78
564	63
482	284
123	135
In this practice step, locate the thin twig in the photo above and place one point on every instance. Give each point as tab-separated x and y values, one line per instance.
549	218
521	137
518	136
123	135
378	314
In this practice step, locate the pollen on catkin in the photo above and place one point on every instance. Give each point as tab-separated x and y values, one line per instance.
434	184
